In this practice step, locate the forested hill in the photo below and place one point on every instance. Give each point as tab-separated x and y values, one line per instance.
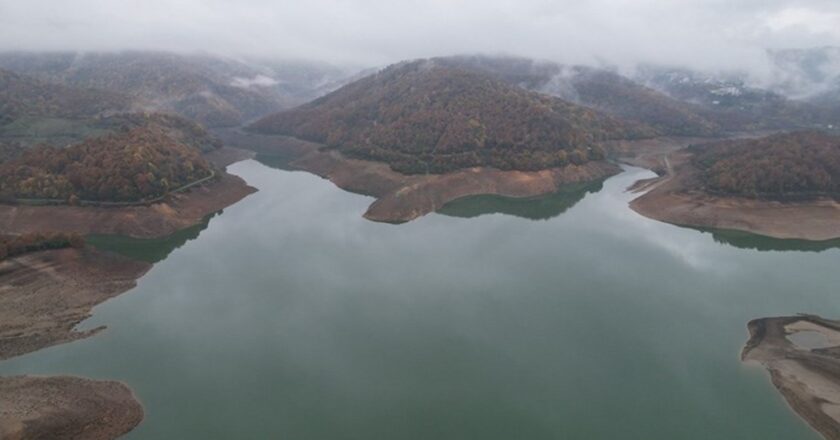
24	96
131	165
791	166
34	112
215	91
423	116
597	88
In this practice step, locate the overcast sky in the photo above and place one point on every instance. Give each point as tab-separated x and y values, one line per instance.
700	33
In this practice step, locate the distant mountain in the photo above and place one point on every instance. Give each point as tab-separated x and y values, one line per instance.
731	101
22	96
799	165
33	112
808	74
215	91
429	116
600	89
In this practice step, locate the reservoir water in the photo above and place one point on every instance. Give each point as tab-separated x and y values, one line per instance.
290	316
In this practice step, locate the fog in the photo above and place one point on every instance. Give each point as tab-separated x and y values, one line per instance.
710	34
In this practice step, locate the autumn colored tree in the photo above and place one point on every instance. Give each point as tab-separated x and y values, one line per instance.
426	117
791	166
133	165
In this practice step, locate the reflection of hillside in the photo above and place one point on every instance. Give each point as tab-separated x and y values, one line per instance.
533	208
278	160
745	240
152	250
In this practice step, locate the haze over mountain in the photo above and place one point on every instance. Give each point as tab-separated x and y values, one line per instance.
22	96
696	34
812	74
216	91
601	89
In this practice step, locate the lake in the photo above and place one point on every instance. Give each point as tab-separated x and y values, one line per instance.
288	315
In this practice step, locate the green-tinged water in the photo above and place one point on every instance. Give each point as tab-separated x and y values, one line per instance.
290	316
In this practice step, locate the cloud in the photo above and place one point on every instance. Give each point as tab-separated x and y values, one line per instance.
810	22
698	33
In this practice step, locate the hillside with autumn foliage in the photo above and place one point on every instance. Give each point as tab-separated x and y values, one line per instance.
423	116
213	90
598	88
133	165
24	96
791	166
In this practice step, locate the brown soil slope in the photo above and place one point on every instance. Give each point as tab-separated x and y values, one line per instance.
808	378
677	198
44	295
160	219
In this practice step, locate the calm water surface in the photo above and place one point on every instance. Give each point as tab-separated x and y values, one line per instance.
290	316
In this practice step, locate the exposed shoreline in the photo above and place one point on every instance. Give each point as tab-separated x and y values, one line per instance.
808	378
157	220
43	297
672	199
402	198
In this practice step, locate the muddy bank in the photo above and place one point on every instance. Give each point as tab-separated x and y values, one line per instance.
44	295
673	198
429	193
66	408
400	197
180	211
808	376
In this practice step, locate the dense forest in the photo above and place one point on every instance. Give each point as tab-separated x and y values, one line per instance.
213	90
14	245
177	128
24	96
132	165
424	117
789	166
597	88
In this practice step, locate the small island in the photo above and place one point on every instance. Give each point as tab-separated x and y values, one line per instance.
782	186
35	407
